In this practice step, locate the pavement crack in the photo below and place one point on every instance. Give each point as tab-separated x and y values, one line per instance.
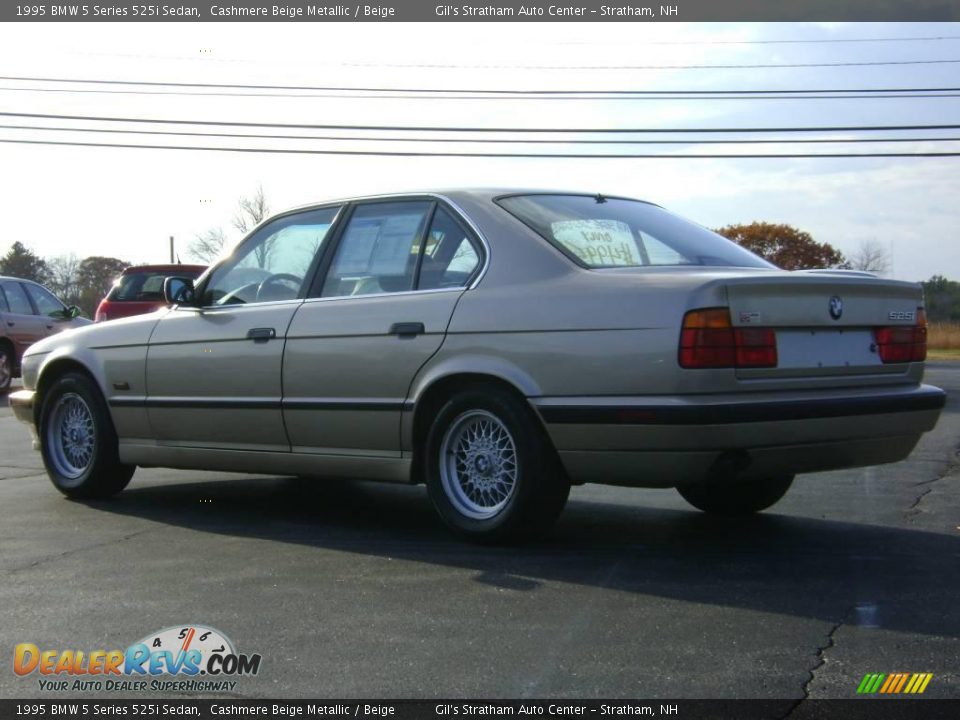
74	551
912	510
821	657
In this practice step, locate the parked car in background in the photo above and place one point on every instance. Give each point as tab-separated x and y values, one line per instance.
139	290
28	313
498	346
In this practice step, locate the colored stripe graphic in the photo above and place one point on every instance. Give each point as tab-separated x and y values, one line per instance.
870	683
894	684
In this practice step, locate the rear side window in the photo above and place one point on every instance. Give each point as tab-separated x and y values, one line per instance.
4	306
449	257
46	303
599	232
379	249
17	298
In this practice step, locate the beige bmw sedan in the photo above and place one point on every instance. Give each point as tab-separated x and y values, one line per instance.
498	346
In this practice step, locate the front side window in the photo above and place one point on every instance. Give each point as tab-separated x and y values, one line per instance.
379	249
46	303
274	263
17	298
600	232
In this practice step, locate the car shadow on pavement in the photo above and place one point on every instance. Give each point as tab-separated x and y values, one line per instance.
899	579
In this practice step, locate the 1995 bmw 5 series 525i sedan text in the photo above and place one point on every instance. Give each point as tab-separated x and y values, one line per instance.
498	346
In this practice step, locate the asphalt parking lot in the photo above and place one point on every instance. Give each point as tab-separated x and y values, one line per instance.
354	590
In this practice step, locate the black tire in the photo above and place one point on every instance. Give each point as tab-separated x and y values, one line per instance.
78	441
6	368
736	496
538	488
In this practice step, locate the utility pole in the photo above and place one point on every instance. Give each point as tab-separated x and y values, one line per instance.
171	250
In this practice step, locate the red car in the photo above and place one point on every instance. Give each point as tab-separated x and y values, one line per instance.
139	290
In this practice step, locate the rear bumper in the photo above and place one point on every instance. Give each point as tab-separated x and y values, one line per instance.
662	441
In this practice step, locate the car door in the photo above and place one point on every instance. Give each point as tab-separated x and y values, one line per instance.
51	312
21	323
214	369
378	311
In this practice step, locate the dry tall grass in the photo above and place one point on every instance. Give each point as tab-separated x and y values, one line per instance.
943	336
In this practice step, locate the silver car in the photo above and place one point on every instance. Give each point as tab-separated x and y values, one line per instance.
498	346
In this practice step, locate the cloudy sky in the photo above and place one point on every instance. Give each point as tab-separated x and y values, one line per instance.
126	202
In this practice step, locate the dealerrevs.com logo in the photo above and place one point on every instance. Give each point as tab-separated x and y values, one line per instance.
186	658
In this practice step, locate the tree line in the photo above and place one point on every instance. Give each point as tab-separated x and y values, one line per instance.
81	282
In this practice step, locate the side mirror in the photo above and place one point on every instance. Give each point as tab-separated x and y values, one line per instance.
179	291
68	313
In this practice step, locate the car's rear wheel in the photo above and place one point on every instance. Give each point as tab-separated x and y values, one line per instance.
6	367
78	442
736	496
490	471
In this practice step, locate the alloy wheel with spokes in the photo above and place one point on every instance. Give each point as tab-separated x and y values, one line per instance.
478	466
78	441
71	436
490	470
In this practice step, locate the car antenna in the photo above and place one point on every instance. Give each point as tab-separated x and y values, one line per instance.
600	199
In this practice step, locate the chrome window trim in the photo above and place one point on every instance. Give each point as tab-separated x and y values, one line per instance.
383	294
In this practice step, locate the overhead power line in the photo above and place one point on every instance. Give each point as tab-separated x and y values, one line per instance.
495	141
793	41
729	66
467	95
434	128
473	91
591	156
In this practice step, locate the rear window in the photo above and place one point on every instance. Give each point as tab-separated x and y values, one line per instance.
143	286
599	232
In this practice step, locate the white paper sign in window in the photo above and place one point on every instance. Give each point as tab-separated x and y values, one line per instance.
598	242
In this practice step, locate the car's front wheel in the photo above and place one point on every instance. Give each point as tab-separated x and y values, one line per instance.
490	471
78	442
736	496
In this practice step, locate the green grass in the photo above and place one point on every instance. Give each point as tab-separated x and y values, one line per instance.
943	354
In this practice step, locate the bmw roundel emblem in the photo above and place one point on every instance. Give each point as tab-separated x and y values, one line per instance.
836	307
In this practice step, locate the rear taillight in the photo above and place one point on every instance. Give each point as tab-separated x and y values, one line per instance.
903	343
708	340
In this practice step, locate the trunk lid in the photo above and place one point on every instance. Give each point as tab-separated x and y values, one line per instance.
824	320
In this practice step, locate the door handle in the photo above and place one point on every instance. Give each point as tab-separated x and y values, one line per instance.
407	329
10	323
261	335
